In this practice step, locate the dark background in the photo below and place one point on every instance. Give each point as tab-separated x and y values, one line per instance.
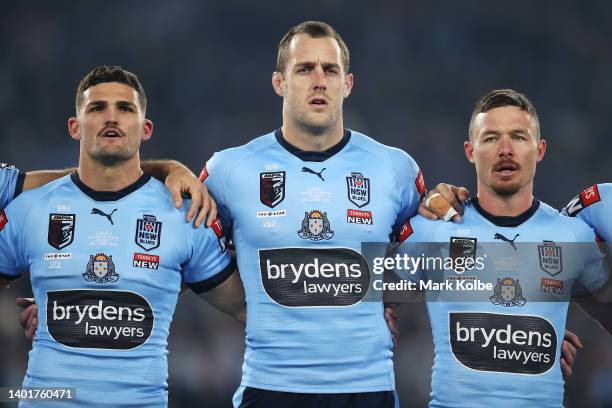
419	68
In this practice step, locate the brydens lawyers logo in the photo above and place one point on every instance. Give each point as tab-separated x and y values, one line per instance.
102	319
503	343
314	277
358	189
148	232
145	261
101	269
61	230
315	226
272	188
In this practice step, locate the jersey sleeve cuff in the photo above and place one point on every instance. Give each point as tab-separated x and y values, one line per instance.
19	184
214	281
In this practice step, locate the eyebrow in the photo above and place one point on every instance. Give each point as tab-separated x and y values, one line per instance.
310	64
119	103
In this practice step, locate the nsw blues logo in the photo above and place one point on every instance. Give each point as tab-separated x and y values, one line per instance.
358	189
315	226
148	232
101	269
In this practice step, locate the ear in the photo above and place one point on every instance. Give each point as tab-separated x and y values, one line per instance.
348	84
278	83
468	147
73	128
541	149
147	130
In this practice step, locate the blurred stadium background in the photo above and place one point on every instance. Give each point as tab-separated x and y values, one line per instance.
419	66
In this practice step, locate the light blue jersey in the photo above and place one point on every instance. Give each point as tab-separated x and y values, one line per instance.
11	183
106	271
298	220
500	346
594	206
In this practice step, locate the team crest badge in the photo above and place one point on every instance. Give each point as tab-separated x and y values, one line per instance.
508	293
461	247
358	188
148	232
61	230
315	226
550	258
272	188
101	269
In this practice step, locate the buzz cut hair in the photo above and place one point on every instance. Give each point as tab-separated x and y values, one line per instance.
315	29
499	98
110	73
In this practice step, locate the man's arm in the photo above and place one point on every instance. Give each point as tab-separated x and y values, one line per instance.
228	297
177	177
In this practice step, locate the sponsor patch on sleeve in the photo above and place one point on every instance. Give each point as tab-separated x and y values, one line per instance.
204	174
420	183
3	220
588	197
405	231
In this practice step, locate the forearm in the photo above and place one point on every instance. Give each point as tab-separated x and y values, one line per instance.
228	298
38	178
161	168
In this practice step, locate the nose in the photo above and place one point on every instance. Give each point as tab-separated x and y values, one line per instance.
320	82
505	146
112	116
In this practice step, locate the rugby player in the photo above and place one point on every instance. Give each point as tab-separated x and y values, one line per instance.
505	146
107	251
298	202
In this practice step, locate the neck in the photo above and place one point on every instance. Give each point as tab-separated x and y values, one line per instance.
100	177
507	206
309	141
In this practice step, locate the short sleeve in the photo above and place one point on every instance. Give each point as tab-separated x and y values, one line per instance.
411	185
11	183
216	176
13	259
209	263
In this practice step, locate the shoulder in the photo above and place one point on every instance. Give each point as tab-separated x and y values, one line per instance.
33	196
596	195
419	229
395	158
228	159
581	230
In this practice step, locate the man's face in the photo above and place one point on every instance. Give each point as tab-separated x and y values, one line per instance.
505	148
110	123
313	84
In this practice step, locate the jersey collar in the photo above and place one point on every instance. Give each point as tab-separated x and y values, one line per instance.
109	195
313	156
504	221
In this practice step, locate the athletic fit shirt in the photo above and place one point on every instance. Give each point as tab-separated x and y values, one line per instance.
106	271
504	349
11	183
298	220
594	206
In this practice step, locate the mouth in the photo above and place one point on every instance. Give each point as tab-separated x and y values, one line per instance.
506	168
318	102
111	132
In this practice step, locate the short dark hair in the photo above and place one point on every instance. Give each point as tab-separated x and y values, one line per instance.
498	98
315	29
110	73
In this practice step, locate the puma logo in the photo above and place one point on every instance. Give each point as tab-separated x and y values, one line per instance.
102	213
502	238
307	170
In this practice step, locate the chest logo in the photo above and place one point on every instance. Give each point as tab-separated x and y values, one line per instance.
101	269
109	216
148	232
61	230
272	188
358	189
503	238
508	293
315	226
318	174
551	261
